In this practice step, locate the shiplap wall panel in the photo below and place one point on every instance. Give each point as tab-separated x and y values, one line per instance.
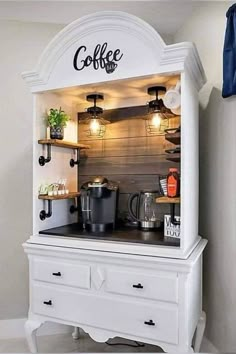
127	155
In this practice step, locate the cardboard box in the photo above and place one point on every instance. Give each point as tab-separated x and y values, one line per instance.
171	230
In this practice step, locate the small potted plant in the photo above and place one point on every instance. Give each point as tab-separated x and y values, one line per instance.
57	120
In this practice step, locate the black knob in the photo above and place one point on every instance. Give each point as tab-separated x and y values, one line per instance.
49	303
138	286
58	274
149	323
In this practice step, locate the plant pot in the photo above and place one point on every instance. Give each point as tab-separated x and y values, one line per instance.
57	133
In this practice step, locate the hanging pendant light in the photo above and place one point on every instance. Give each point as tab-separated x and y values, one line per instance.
96	123
158	116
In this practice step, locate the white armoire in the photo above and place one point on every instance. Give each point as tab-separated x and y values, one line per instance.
89	283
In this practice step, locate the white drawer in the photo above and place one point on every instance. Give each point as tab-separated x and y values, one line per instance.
127	317
61	272
162	286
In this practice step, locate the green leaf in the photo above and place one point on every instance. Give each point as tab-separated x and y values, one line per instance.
57	118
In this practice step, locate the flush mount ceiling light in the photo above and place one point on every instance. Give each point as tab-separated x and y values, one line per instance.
96	123
158	116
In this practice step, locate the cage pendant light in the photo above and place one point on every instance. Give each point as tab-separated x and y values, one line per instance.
158	116
96	123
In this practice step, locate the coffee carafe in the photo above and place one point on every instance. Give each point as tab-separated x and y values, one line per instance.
146	213
99	199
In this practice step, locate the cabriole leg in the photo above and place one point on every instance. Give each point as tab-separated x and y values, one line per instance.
75	334
30	332
199	332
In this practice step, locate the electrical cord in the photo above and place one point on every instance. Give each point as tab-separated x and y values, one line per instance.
137	345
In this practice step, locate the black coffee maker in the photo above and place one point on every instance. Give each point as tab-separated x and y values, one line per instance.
99	199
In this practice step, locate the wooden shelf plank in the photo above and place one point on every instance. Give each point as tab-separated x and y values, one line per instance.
173	157
166	200
62	143
71	195
173	138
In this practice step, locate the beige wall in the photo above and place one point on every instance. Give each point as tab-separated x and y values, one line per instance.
21	44
217	176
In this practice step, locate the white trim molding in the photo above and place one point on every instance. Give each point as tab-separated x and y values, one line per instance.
114	24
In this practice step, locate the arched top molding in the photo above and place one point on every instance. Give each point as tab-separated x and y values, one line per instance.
144	53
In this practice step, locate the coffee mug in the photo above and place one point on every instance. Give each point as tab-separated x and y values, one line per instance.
172	97
110	67
176	111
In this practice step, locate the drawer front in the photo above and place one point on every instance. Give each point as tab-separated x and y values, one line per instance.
157	321
61	272
163	286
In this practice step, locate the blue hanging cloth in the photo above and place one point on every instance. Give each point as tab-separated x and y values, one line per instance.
229	54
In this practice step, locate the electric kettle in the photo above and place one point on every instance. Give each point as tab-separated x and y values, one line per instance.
146	209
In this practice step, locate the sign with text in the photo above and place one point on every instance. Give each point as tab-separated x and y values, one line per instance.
171	230
100	58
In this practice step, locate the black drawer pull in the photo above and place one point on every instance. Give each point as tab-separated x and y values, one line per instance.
58	274
149	323
138	286
48	302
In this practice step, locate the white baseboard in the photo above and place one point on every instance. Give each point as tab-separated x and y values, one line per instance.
15	328
208	347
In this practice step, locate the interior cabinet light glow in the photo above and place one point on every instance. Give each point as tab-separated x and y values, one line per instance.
95	126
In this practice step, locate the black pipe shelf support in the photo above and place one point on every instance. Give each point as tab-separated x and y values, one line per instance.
74	162
45	215
42	159
73	209
76	206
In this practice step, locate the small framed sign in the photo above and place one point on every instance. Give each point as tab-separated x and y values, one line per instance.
171	230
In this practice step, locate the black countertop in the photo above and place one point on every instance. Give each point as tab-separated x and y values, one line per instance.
122	234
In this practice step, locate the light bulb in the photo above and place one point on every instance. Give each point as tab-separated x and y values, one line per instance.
156	120
95	126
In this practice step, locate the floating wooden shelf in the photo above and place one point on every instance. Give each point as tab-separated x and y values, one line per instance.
167	200
173	138
58	197
62	143
173	157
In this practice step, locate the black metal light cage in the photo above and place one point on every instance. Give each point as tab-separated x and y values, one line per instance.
95	112
157	106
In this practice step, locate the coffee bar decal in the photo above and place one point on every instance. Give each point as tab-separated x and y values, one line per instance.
101	58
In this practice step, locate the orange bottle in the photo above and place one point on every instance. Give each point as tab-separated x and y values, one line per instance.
173	183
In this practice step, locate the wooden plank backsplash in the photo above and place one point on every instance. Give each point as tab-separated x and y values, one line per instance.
126	155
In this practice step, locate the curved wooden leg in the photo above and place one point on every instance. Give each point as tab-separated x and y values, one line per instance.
199	332
31	327
76	334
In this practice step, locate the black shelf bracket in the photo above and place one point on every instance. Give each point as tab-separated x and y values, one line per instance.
42	159
74	162
73	209
172	215
76	207
43	214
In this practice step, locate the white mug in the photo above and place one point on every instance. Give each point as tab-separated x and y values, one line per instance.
176	111
172	97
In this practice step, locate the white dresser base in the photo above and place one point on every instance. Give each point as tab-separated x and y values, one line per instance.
149	299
